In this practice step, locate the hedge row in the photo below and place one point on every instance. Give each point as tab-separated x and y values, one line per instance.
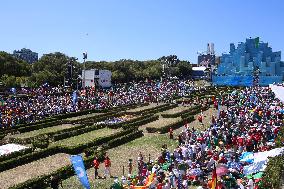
178	114
166	128
16	154
160	109
51	121
27	158
38	126
133	122
154	110
73	131
98	141
195	111
67	171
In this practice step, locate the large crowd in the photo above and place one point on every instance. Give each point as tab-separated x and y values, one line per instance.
31	105
248	121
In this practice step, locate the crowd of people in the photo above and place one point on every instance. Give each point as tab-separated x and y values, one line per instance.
248	120
36	104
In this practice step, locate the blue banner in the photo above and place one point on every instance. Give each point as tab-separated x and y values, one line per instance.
74	97
79	168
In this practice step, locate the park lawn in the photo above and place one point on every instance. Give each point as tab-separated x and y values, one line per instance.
44	131
86	137
83	116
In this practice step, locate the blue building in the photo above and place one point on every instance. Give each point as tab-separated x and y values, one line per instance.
238	67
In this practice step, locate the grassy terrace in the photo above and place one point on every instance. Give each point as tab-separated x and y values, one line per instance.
176	110
142	108
150	144
34	169
83	116
44	131
86	137
161	122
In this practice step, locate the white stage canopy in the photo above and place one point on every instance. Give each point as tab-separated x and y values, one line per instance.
279	92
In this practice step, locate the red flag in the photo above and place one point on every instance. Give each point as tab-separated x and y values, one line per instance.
214	178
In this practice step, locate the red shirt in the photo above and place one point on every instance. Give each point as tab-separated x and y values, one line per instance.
107	163
96	164
241	141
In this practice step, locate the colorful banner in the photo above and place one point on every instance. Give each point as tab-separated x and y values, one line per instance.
78	165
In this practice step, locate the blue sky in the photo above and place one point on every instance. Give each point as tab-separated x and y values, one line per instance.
137	29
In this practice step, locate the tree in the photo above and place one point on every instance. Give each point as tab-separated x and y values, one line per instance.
12	66
53	68
184	68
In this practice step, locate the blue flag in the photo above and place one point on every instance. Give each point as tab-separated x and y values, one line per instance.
179	182
79	168
218	114
74	97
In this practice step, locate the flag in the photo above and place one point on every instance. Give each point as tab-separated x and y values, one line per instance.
218	114
79	168
214	178
179	182
257	42
74	97
150	179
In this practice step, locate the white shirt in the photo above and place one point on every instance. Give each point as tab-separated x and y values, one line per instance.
250	184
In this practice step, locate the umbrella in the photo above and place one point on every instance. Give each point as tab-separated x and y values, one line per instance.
258	175
222	170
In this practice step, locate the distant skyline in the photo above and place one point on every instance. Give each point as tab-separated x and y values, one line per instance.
138	29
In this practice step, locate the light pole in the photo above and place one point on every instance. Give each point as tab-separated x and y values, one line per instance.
84	76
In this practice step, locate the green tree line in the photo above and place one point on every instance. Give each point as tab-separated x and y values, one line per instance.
54	68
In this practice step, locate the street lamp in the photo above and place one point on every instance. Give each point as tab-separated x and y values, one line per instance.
84	76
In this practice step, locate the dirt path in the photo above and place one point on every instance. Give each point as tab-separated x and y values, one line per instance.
31	170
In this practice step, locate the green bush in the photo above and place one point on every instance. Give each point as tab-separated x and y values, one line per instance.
273	173
41	142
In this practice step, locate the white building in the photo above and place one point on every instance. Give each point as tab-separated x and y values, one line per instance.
95	77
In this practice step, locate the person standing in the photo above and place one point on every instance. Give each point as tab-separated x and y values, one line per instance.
107	163
96	166
130	166
171	133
